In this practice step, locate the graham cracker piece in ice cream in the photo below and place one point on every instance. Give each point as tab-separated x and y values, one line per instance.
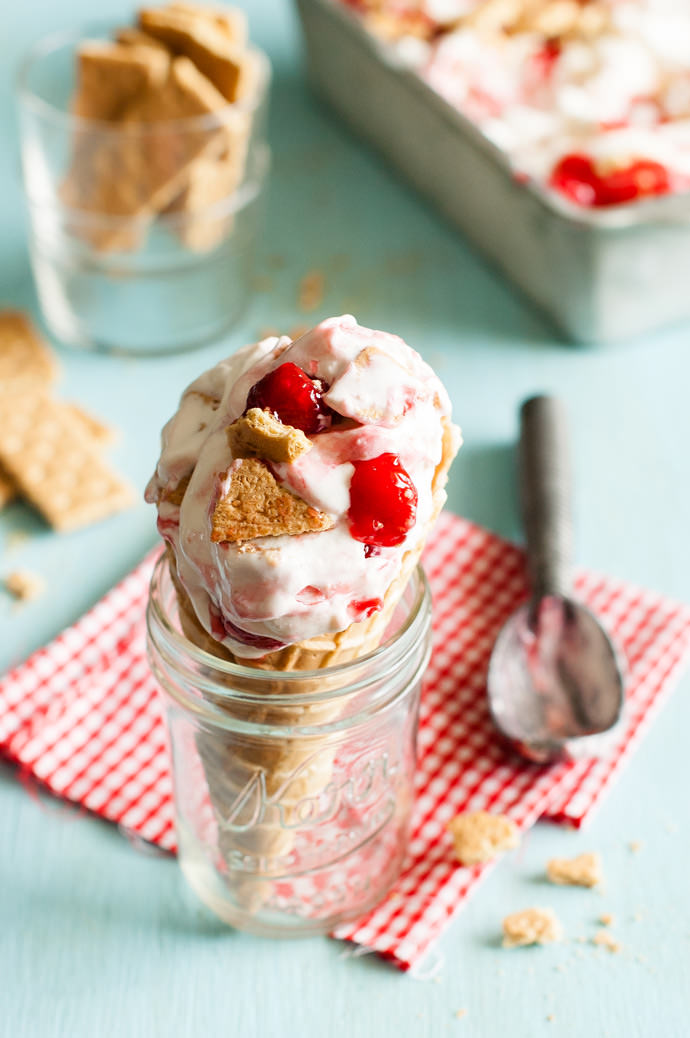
222	60
255	505
112	75
54	465
258	434
26	363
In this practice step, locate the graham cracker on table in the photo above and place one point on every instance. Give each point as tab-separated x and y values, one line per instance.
93	428
136	175
25	361
255	505
53	464
111	76
257	434
222	60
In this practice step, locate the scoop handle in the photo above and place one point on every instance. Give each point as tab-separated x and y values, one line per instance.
545	491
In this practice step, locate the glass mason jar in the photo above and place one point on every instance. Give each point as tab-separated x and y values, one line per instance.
293	790
142	231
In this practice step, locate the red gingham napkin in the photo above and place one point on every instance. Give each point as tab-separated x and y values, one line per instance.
82	715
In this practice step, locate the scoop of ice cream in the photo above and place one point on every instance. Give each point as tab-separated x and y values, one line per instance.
295	476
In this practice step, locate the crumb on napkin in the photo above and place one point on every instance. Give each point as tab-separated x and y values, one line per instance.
479	836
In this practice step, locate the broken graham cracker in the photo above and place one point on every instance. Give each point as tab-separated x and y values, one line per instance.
223	61
26	363
582	871
531	926
258	434
112	75
137	174
54	465
479	836
255	505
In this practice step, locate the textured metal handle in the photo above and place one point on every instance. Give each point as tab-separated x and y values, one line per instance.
545	481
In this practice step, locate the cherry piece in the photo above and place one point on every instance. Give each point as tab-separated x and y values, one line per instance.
292	397
576	177
363	608
638	180
383	501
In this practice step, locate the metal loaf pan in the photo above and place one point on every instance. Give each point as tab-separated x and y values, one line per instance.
601	275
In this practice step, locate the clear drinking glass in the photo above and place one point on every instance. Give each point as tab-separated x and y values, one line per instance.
293	790
141	234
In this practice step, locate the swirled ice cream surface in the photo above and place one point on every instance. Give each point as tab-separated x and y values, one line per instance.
272	591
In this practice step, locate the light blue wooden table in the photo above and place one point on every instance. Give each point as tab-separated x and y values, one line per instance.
98	939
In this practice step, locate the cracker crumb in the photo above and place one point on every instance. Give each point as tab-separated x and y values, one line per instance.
24	585
479	836
635	846
637	917
604	939
606	919
16	539
531	926
550	1018
311	290
581	871
459	1013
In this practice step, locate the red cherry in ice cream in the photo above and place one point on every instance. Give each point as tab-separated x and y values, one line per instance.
294	398
383	501
577	178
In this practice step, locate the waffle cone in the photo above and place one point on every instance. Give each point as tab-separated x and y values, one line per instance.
295	769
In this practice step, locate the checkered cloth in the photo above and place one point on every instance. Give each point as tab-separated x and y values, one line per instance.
82	715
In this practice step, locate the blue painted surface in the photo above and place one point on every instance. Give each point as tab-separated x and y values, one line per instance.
98	939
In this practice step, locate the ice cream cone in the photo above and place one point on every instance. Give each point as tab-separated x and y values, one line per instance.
243	775
296	488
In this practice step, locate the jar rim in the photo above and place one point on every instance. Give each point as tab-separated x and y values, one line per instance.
164	636
54	41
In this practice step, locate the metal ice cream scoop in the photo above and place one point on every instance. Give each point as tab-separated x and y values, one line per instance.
555	683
